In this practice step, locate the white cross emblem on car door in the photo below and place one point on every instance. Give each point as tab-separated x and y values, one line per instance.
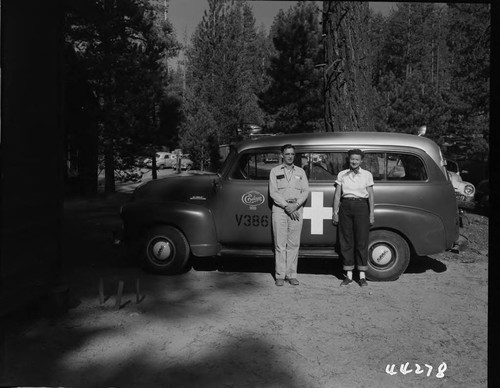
317	212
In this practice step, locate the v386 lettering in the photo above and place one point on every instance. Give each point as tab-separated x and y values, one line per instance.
252	220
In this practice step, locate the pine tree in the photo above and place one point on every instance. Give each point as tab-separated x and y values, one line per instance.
411	74
293	100
223	72
122	50
468	39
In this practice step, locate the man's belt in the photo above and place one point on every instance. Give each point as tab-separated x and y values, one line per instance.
354	199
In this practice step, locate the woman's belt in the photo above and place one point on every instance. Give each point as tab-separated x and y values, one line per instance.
353	199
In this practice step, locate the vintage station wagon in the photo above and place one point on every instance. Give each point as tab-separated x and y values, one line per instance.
229	212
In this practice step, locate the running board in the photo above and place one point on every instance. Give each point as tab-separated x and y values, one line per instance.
267	252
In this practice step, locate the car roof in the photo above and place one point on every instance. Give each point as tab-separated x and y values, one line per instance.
348	139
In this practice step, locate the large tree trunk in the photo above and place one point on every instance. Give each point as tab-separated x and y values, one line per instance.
109	168
88	160
348	90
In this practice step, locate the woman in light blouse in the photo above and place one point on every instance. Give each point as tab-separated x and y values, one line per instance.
353	212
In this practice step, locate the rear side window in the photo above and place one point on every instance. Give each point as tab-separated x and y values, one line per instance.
405	167
324	166
384	166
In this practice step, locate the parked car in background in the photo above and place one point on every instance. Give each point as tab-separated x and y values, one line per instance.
271	158
163	160
464	191
186	162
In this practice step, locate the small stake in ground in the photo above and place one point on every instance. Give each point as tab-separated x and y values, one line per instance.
101	291
119	294
138	297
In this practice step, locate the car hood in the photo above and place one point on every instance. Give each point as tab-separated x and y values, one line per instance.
457	181
195	186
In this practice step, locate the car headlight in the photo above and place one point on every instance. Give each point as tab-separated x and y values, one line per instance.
469	189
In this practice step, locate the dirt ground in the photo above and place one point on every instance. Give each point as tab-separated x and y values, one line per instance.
225	323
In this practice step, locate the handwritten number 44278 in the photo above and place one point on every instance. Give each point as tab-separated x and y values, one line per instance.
404	369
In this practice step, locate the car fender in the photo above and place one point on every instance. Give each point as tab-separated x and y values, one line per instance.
423	230
194	221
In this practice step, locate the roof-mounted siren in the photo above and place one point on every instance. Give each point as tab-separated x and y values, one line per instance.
422	130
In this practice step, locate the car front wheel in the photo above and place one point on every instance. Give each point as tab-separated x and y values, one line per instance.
388	256
165	250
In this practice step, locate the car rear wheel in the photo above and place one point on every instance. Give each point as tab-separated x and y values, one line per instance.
165	250
388	256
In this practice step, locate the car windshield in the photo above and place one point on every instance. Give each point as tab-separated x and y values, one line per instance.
452	166
226	164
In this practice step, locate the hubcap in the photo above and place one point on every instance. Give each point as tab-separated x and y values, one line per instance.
162	250
381	255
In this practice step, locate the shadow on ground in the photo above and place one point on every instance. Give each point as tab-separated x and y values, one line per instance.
44	354
37	349
423	264
316	266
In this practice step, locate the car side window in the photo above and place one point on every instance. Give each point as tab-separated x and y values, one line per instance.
405	167
324	166
374	162
255	166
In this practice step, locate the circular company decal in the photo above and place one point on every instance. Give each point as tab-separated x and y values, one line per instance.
253	198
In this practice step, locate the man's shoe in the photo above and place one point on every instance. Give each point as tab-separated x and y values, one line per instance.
346	282
293	282
280	282
363	283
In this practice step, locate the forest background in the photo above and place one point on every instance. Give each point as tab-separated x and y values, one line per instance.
330	66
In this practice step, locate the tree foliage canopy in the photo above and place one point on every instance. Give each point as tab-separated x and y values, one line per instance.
225	70
294	99
433	69
336	68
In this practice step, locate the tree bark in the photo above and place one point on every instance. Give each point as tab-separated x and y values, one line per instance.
109	168
347	82
87	160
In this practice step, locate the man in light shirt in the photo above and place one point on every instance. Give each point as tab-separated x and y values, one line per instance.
289	189
353	212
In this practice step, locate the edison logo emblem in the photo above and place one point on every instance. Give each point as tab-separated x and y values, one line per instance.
253	199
